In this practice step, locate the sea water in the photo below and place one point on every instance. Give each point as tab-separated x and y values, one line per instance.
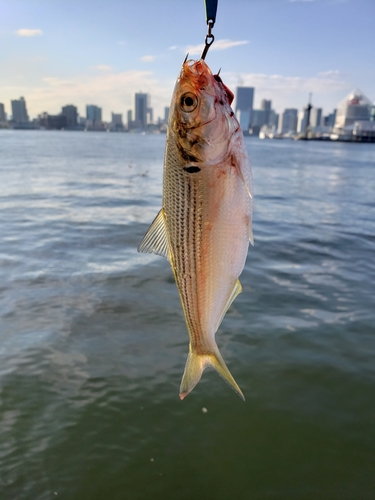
93	340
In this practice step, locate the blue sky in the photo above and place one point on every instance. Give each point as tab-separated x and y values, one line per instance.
57	52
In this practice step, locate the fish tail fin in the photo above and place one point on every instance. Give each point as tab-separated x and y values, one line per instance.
195	365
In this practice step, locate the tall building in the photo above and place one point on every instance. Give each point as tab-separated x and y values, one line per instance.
316	117
19	111
116	122
71	114
330	119
116	119
244	106
3	116
258	118
303	118
166	114
94	114
129	116
288	121
266	106
263	116
355	107
141	109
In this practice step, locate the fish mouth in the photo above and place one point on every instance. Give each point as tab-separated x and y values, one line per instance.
197	73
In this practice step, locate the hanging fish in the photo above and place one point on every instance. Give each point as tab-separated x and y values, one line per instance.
204	225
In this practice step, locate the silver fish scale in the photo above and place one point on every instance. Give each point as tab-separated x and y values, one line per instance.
183	207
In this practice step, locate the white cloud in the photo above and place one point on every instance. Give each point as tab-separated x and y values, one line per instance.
217	45
28	32
330	73
103	67
148	58
114	92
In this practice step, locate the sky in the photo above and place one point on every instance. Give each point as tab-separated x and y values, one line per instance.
59	52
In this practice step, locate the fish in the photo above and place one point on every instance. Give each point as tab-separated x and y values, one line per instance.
205	224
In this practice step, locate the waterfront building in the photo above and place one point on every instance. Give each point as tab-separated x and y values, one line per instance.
116	122
303	118
166	114
52	122
129	118
93	115
274	119
19	111
3	116
71	114
316	117
329	120
141	107
265	116
258	118
353	119
266	106
355	107
288	121
244	107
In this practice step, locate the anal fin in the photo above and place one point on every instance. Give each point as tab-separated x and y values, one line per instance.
236	290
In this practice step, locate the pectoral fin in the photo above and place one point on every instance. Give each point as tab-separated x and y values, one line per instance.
155	240
241	176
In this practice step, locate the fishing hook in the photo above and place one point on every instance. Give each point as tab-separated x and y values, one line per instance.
211	8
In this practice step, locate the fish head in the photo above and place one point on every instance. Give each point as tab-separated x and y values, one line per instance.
201	116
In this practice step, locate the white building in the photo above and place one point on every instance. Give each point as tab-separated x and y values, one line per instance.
302	121
354	119
355	107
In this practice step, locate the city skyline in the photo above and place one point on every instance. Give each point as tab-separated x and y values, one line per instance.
143	113
352	120
59	52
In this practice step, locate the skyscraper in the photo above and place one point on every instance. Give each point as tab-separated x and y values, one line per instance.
129	117
244	106
2	113
116	122
19	111
94	114
288	121
266	106
141	109
302	120
316	117
71	114
166	114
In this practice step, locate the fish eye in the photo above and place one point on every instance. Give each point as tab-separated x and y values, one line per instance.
188	102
